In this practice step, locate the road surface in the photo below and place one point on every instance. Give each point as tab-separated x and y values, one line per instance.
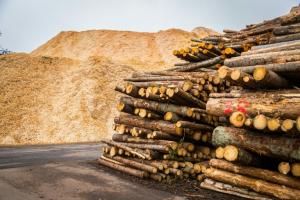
64	172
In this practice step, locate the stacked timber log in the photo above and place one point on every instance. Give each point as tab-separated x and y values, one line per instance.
229	117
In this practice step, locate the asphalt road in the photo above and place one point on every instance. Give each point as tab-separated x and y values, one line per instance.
65	172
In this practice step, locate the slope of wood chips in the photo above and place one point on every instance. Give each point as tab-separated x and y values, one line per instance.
63	91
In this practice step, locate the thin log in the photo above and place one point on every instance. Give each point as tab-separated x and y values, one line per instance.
124	169
157	106
260	59
158	125
135	164
195	66
125	148
192	125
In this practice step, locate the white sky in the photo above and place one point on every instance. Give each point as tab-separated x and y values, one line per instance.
26	24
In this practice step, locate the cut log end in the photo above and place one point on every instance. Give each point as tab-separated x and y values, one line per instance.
284	167
259	73
260	122
237	119
295	169
231	153
273	124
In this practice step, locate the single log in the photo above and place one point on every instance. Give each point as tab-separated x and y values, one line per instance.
298	123
285	38
106	158
130	139
264	174
158	107
284	168
189	98
154	147
158	125
192	125
281	68
276	47
156	78
257	185
273	124
273	103
164	136
230	189
260	59
237	119
138	132
268	78
260	122
195	66
235	154
127	170
135	164
272	146
122	107
295	169
220	152
171	117
125	148
287	125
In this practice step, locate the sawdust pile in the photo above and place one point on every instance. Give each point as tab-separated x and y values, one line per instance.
63	92
139	49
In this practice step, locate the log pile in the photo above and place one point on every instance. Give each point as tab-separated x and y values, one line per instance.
229	117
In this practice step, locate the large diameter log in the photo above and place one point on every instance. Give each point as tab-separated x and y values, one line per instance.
257	185
268	78
281	68
285	38
264	174
157	106
124	169
264	58
273	103
157	125
272	146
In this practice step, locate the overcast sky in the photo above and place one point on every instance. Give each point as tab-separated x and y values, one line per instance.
26	24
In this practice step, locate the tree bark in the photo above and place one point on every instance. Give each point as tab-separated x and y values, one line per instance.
280	147
192	125
127	170
285	38
195	66
158	107
232	190
281	68
285	104
269	79
135	164
264	174
253	184
158	125
263	58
